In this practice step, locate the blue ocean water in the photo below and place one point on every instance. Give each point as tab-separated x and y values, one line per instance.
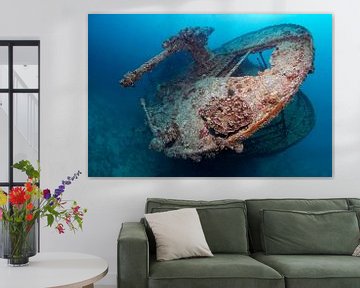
118	144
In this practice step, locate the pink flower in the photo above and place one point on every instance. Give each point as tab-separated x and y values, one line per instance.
76	210
60	228
1	213
68	219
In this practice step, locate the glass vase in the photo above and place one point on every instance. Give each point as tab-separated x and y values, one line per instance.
18	242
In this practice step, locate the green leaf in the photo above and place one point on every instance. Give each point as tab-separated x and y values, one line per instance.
52	211
50	219
79	221
26	167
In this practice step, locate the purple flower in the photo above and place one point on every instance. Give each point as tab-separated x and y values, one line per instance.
64	183
58	192
46	194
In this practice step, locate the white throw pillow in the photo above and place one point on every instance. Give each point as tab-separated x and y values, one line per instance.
178	234
357	251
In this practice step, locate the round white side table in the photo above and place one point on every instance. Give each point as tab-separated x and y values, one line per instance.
50	270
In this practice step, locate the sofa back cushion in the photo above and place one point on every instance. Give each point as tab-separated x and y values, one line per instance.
223	221
354	205
298	232
255	206
353	201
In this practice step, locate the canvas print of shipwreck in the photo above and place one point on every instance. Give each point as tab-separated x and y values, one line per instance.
210	95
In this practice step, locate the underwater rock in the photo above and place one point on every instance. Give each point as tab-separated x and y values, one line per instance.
209	108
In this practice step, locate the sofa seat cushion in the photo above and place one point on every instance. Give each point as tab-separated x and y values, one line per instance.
222	270
313	271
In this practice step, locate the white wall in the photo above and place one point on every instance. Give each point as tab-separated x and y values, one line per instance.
61	25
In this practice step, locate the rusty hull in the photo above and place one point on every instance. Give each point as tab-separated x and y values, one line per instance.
210	110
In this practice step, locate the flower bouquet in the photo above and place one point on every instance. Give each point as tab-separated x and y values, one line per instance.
21	208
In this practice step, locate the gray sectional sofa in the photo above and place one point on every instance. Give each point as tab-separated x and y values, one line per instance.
246	238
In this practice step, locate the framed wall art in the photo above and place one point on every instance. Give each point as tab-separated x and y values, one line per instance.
221	95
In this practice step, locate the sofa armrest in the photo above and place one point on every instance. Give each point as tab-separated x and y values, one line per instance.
133	256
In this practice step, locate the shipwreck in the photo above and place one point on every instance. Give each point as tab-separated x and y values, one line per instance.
218	105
